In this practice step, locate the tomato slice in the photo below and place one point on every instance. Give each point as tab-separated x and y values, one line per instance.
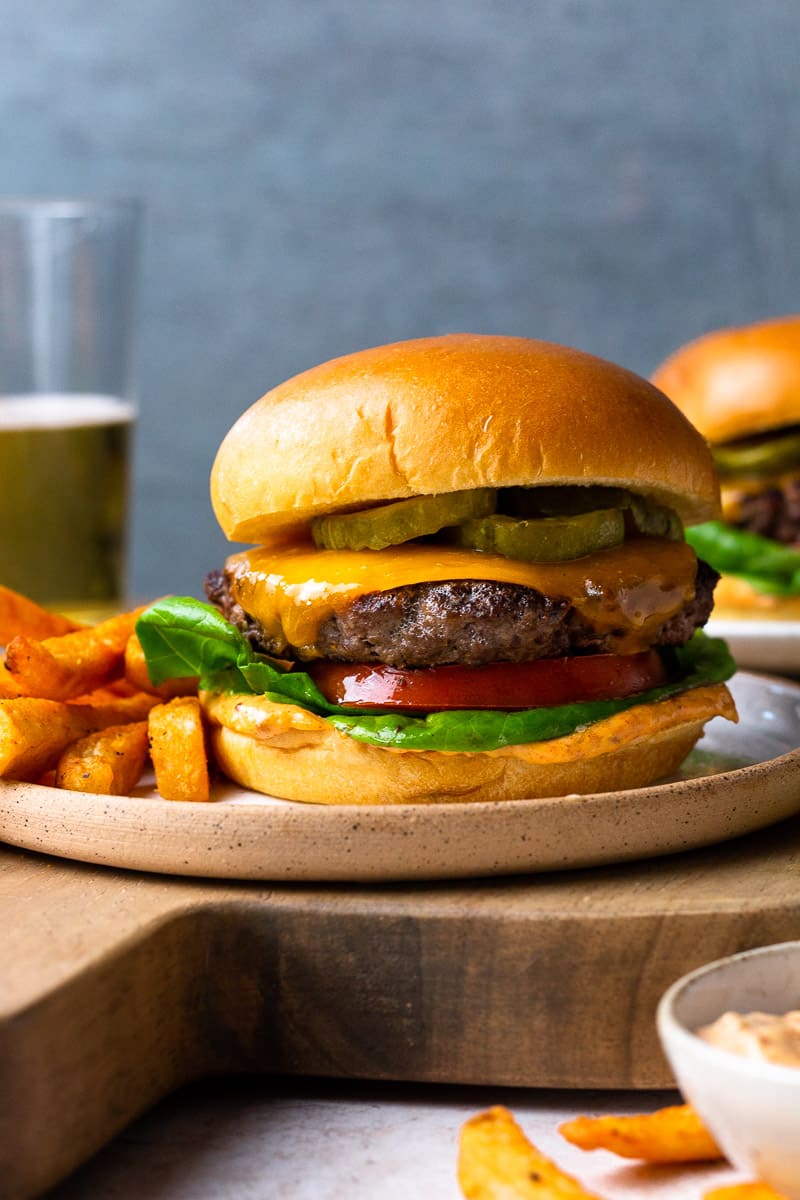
541	684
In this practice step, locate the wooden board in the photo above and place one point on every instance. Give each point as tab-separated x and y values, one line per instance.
116	987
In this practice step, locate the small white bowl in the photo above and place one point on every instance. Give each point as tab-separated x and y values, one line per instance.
751	1107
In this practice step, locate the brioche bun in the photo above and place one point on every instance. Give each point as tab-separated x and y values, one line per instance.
737	382
316	763
448	413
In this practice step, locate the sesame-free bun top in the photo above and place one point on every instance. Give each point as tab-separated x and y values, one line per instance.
447	413
736	382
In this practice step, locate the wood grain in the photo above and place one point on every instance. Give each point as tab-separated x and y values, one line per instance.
116	987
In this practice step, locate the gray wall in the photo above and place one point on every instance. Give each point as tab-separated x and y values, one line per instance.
322	176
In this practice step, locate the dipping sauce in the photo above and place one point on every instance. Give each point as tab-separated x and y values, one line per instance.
772	1037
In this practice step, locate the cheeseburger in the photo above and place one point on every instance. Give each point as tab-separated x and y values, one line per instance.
741	389
468	581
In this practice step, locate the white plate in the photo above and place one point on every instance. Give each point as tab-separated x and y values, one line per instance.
761	645
738	779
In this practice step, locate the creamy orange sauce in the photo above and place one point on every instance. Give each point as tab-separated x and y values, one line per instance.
773	1037
632	588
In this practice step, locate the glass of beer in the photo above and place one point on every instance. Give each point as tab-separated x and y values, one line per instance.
67	398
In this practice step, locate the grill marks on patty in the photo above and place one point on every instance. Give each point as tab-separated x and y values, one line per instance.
470	622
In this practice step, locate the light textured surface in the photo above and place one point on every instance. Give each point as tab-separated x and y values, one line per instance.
261	1140
322	177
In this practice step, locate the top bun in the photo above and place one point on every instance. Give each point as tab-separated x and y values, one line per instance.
737	382
446	413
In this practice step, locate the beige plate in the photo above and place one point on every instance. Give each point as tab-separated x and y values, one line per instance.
761	645
740	778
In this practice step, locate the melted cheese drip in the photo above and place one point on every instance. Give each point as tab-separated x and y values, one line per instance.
631	589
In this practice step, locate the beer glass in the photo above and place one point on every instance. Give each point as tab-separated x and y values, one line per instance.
67	398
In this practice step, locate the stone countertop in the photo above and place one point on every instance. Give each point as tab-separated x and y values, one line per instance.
289	1139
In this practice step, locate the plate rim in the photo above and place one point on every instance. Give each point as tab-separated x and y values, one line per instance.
752	627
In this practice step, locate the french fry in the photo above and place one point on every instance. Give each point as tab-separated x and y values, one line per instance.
744	1191
110	693
35	731
178	749
669	1135
60	668
40	673
496	1161
108	762
137	674
112	709
18	615
8	685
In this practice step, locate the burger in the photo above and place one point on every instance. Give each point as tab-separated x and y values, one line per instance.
741	389
467	581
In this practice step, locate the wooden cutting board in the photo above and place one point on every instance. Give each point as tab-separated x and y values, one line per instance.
116	986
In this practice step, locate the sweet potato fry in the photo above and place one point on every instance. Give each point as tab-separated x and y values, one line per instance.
108	762
669	1135
744	1191
34	731
497	1162
109	693
38	670
8	685
60	668
178	749
136	673
112	709
19	615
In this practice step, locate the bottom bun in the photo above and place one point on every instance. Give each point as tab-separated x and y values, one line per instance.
289	753
735	598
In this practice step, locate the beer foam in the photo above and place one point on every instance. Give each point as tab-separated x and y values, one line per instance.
63	410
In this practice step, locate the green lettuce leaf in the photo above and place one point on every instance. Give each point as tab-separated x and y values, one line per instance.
183	637
767	565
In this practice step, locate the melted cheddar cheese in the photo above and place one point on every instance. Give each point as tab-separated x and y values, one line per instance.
632	589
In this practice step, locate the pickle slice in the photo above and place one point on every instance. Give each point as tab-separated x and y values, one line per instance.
641	516
545	539
654	520
766	455
390	524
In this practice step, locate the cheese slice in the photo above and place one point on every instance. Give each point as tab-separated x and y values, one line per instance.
631	589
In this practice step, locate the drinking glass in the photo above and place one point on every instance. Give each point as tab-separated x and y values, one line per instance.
67	397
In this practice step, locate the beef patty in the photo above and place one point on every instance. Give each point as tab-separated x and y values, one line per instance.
470	622
773	512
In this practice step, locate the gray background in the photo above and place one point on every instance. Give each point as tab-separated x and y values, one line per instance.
320	176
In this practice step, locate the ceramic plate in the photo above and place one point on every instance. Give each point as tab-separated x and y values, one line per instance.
761	645
739	778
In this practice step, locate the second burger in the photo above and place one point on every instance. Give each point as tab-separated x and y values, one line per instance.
741	389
